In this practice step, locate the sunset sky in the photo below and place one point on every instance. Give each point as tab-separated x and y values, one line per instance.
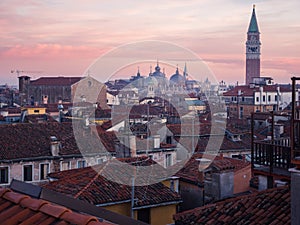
63	37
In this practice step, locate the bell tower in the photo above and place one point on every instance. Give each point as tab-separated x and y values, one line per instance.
252	50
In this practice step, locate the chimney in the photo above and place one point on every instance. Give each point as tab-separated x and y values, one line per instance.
86	121
174	184
244	158
60	108
119	151
221	156
218	183
54	146
156	141
132	145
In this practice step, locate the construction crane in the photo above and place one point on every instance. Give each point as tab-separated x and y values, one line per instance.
23	71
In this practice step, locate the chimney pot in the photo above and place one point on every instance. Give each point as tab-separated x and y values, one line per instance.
54	146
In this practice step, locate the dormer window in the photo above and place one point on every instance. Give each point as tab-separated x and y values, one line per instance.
236	137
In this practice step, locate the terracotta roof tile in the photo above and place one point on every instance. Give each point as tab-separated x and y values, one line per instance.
14	197
78	218
60	81
3	191
257	208
17	208
190	171
33	204
55	211
247	91
33	140
89	185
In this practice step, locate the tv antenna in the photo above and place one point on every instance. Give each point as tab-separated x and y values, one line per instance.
18	72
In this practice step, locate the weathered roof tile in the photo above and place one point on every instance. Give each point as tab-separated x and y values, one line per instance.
17	208
256	208
90	185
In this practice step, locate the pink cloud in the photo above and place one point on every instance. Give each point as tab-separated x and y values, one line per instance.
48	51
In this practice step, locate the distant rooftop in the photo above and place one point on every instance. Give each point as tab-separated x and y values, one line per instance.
57	81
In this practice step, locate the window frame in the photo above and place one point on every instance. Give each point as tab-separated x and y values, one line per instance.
168	157
40	170
8	175
81	160
98	161
32	172
61	165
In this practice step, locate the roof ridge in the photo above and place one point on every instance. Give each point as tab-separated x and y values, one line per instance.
46	207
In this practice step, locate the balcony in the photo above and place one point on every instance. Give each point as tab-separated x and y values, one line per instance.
272	156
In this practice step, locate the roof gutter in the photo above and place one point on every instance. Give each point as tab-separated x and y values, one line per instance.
157	205
113	203
45	158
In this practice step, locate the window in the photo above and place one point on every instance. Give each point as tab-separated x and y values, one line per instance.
81	164
174	185
44	170
275	97
168	160
4	175
27	173
264	98
144	215
243	99
36	111
269	98
169	140
257	99
100	161
65	166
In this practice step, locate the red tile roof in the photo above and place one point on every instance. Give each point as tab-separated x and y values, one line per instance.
266	207
16	208
55	81
33	140
247	91
190	171
11	110
53	107
89	184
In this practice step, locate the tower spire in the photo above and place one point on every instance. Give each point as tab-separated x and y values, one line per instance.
138	72
252	50
150	73
253	26
185	74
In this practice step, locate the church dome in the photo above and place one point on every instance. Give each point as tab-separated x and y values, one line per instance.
157	72
177	78
151	81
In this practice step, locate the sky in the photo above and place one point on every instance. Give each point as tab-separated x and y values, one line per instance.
63	38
